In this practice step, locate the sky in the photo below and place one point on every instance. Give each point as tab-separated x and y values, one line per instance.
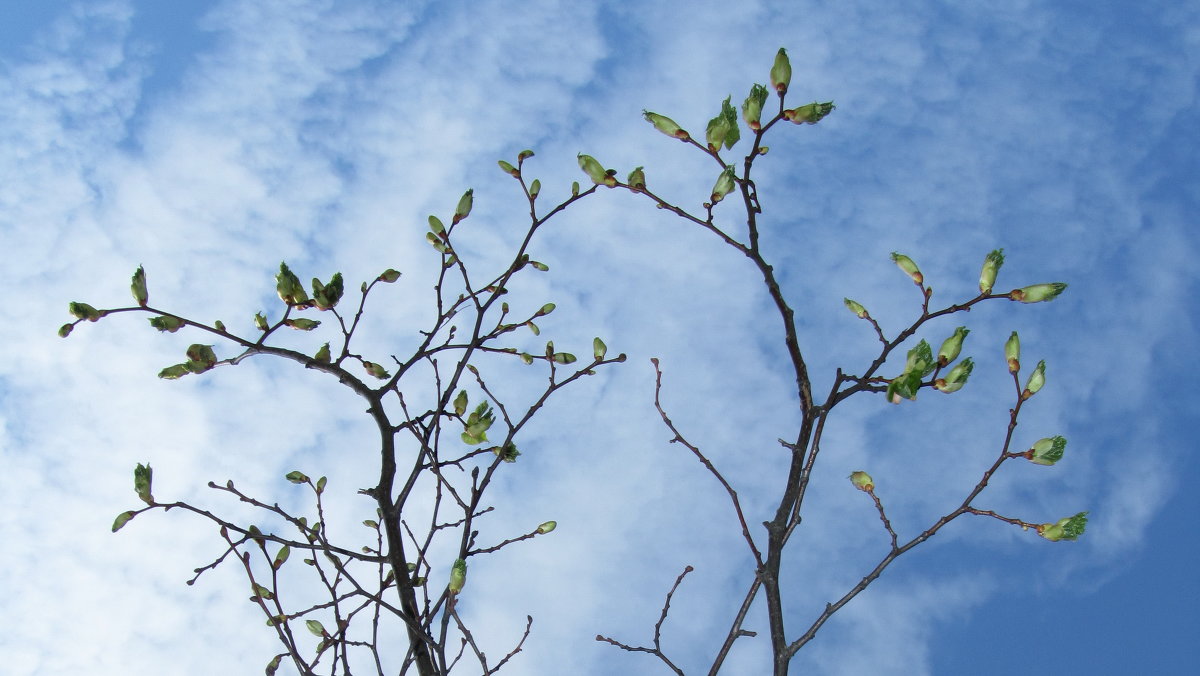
207	141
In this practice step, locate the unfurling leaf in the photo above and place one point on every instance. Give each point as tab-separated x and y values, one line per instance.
326	296
637	179
599	349
991	265
862	481
143	479
138	287
174	372
781	72
464	206
458	576
753	105
1036	380
508	452
1069	528
723	129
260	321
288	286
167	324
956	378
201	356
122	519
1047	451
809	114
920	360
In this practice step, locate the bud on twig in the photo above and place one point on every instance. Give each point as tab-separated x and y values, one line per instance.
809	114
862	481
781	72
952	346
458	576
723	129
1069	528
753	105
1036	380
1047	451
464	206
1012	352
547	527
595	171
138	287
991	265
909	267
856	308
666	125
637	179
956	378
724	185
1038	293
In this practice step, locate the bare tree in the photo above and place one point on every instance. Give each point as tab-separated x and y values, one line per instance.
445	430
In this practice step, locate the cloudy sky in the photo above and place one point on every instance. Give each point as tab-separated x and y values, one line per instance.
208	141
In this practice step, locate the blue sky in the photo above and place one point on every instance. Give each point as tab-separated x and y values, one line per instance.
208	141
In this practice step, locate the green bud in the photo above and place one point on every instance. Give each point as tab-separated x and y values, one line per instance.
138	287
1012	352
781	72
316	628
909	267
1047	451
599	349
122	519
952	346
219	325
862	481
143	479
435	224
389	275
326	296
1036	380
458	576
593	169
547	527
1069	528
563	358
165	323
809	114
301	324
723	129
991	265
509	169
464	206
202	354
508	453
535	188
546	309
856	308
724	185
84	311
281	557
956	378
174	372
534	328
527	358
753	105
260	320
637	179
65	330
574	188
323	354
460	403
1038	293
666	125
376	370
287	285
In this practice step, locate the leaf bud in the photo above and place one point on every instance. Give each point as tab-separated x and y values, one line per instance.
535	188
952	346
167	324
781	72
524	155
464	206
920	360
991	265
599	349
509	169
389	275
1038	293
563	358
862	481
260	321
1047	451
909	267
323	356
302	324
1036	380
1069	528
546	309
436	225
122	519
84	311
666	125
637	179
956	378
1012	352
458	576
856	307
547	527
138	287
593	169
65	330
574	188
724	185
376	370
809	114
753	105
143	479
287	285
